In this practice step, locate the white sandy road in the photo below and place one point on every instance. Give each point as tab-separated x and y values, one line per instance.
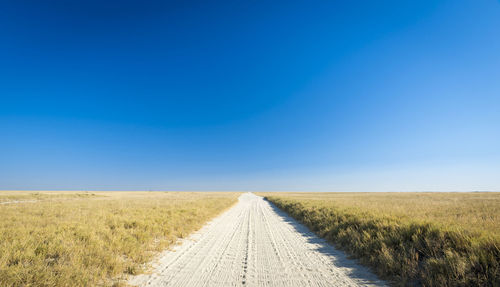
255	244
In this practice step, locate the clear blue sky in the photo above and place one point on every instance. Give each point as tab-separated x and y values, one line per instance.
250	95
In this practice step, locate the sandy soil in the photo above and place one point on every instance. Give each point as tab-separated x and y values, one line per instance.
255	244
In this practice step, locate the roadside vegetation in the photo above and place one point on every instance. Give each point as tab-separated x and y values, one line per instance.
94	239
429	239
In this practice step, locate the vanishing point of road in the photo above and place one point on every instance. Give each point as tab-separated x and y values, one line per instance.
255	244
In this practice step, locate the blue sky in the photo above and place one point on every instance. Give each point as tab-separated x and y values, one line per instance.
250	95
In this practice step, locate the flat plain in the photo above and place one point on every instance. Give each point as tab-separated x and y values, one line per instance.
94	238
106	238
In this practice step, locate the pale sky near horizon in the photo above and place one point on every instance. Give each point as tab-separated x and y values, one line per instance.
250	95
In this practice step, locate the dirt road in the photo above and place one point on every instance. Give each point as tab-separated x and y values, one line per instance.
255	244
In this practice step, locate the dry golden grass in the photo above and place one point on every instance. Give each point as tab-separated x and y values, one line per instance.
474	212
434	239
89	239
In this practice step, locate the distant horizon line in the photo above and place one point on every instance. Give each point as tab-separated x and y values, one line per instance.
297	191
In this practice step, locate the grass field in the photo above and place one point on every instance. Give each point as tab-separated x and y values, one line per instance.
89	239
433	239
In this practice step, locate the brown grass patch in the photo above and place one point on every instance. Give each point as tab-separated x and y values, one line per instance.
431	239
88	239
